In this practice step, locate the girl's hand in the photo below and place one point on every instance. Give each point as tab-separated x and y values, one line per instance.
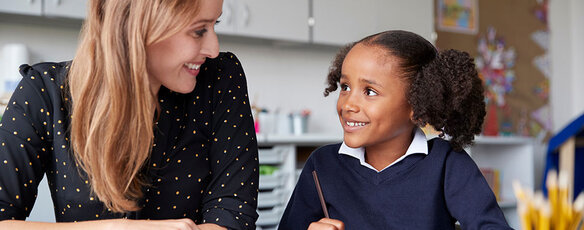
327	224
172	224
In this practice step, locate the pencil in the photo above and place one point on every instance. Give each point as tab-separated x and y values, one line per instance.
320	196
578	211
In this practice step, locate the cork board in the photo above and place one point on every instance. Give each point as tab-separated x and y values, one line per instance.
525	110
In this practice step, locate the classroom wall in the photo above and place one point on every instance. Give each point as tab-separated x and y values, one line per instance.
567	54
281	76
296	73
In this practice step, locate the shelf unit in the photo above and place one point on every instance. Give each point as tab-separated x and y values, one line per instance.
514	157
275	189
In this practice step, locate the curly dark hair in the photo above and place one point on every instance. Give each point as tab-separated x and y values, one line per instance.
445	90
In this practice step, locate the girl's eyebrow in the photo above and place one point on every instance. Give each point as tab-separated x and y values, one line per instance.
370	82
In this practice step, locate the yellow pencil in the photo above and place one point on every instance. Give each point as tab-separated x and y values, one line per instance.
524	215
564	202
578	210
545	216
552	187
536	210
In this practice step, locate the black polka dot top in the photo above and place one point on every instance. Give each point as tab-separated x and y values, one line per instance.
203	165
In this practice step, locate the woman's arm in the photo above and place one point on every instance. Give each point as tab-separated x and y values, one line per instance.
113	224
230	198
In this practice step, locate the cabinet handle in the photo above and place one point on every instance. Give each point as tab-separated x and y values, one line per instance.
246	15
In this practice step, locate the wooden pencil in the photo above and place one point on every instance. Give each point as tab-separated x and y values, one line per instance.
320	196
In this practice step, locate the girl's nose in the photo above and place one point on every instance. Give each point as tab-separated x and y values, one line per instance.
350	104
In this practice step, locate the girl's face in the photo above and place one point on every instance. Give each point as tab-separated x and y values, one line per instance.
175	62
372	105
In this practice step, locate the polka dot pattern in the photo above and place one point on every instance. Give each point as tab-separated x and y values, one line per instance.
204	156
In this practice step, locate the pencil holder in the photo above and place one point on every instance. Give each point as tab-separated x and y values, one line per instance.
556	212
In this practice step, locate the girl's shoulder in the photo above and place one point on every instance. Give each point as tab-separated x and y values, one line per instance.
325	152
441	149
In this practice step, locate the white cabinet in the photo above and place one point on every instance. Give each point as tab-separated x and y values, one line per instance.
65	8
338	22
52	8
28	7
269	19
413	15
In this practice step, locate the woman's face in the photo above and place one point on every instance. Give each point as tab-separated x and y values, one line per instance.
175	62
372	106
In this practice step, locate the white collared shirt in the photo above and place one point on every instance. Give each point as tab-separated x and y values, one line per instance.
419	145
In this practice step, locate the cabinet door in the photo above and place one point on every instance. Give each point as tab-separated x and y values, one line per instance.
227	19
65	8
337	22
273	19
30	7
412	15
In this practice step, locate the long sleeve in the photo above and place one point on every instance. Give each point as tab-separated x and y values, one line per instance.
231	196
304	205
24	136
468	196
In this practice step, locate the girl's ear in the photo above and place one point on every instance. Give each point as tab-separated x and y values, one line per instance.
412	116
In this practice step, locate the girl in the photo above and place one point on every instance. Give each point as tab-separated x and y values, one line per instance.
385	174
148	128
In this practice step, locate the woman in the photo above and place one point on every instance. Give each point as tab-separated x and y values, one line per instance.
149	127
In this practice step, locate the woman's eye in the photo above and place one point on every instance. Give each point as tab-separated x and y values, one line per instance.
345	87
201	32
370	92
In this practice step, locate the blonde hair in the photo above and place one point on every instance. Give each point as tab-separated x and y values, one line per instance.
112	101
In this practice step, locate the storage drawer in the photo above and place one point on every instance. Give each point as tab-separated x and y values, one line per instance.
271	198
270	216
274	155
277	179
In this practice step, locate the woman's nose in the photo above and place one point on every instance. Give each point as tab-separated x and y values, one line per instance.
210	46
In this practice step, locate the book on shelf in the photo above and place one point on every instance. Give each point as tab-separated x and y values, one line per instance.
493	178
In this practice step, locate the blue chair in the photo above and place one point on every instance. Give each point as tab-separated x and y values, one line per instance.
566	152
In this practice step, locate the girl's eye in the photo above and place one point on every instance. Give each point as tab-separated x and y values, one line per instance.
370	92
345	87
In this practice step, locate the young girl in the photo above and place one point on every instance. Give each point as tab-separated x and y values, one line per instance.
149	127
385	174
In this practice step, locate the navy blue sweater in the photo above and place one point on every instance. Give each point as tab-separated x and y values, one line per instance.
421	192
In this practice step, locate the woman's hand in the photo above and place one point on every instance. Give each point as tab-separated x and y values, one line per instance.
171	224
112	224
327	224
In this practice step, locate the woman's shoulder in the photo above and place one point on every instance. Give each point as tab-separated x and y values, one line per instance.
225	62
48	71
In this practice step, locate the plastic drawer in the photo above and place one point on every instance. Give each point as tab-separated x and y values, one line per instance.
277	179
271	198
270	216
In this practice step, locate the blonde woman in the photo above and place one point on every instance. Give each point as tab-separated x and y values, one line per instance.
149	127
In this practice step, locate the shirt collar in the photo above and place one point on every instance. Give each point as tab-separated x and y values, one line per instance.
419	145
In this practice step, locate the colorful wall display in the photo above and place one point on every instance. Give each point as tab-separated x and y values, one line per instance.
458	16
511	54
